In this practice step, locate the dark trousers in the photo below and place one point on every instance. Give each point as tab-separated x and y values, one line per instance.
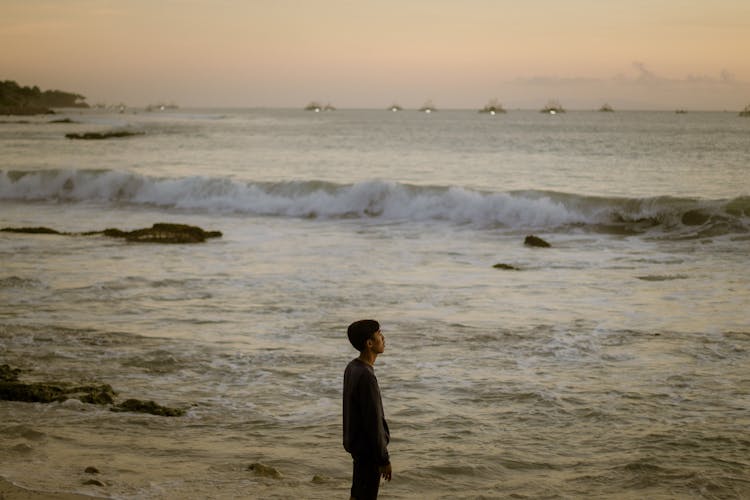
365	480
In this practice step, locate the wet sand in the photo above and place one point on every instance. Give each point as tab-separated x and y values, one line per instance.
9	491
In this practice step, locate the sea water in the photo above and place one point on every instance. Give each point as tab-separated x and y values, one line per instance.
615	363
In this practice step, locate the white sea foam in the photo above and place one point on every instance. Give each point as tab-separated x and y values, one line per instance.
373	199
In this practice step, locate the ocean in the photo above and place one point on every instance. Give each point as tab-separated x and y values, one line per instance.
613	364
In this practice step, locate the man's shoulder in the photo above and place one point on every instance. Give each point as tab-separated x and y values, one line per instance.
359	368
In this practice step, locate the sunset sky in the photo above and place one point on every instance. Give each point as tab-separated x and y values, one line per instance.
634	54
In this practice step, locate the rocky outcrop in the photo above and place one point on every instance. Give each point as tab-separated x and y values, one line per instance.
95	136
45	392
165	233
138	406
506	267
30	230
158	233
535	241
264	470
8	374
11	389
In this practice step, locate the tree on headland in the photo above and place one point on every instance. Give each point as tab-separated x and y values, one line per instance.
15	99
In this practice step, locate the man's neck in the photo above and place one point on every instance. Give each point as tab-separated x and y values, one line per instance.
368	357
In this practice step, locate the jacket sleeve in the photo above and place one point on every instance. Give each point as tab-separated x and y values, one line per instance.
375	427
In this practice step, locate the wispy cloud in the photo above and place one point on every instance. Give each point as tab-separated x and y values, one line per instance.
641	88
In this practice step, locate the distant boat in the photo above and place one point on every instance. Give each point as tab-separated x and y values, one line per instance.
681	111
314	106
395	108
493	107
552	108
161	107
606	108
428	107
746	111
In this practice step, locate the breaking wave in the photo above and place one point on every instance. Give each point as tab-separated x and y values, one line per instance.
543	210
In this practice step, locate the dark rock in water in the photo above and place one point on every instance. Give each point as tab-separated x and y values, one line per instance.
43	392
111	232
695	218
169	233
91	470
264	470
30	230
31	393
95	394
535	241
8	374
161	232
138	406
93	136
62	120
505	266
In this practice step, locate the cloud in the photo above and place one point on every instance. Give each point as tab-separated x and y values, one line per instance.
643	88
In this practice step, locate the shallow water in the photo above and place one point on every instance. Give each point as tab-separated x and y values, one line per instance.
614	363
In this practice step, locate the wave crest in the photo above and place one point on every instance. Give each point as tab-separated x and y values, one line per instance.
541	210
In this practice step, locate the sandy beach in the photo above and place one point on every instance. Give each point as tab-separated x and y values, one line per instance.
9	491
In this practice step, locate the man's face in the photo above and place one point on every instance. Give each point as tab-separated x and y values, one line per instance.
378	342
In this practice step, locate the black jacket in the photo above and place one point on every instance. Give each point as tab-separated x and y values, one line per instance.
366	434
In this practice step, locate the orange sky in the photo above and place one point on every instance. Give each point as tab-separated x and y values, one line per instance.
641	54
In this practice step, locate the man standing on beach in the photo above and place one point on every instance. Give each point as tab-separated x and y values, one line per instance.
366	434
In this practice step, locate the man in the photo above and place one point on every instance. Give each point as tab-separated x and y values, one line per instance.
366	434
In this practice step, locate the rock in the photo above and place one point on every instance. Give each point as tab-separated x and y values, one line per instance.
93	136
62	120
43	392
8	374
31	393
30	230
160	232
535	241
91	470
505	266
169	233
95	394
93	482
264	470
138	406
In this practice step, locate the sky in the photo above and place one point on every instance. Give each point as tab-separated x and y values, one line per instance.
632	54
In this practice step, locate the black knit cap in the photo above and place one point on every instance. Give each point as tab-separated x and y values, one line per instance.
360	331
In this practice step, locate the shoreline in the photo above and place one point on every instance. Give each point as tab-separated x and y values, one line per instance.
9	491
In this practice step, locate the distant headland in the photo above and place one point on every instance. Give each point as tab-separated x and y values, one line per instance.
17	100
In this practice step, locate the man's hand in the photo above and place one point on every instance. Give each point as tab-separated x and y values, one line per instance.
386	472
